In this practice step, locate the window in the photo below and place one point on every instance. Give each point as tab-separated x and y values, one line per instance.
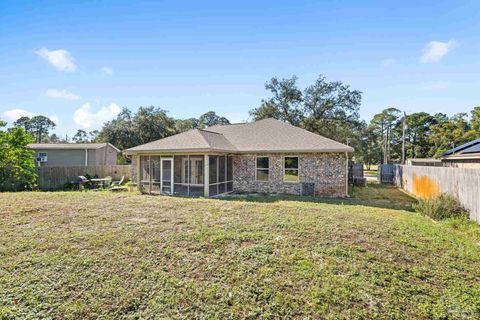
290	166
263	168
196	171
42	156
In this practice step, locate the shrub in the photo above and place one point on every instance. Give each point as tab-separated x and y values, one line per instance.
442	207
17	166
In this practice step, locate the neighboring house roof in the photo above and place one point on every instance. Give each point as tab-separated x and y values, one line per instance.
468	148
268	135
69	146
423	160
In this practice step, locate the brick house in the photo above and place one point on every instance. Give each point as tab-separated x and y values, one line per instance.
267	156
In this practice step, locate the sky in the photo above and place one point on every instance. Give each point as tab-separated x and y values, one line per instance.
79	64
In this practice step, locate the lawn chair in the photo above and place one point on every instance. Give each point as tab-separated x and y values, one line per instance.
117	185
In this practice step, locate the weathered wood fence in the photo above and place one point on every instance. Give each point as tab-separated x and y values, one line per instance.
426	182
55	178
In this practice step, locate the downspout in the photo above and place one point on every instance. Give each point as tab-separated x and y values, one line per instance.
86	157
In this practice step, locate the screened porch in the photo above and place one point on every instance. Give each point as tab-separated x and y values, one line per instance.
186	175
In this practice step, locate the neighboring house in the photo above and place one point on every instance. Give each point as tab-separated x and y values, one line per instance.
267	156
74	154
425	162
465	156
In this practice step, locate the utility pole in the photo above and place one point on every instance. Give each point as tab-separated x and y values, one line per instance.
403	136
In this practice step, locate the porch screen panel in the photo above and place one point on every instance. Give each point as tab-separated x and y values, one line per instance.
155	173
213	164
145	172
229	174
222	174
196	169
180	175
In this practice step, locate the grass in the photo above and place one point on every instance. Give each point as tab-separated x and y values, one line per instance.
92	255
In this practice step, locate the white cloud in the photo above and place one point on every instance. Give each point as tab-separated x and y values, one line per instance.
436	85
108	71
15	114
86	118
434	51
61	59
388	62
55	119
61	94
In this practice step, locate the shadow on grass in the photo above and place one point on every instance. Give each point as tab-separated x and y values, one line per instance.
373	195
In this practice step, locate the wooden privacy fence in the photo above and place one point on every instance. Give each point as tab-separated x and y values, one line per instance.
55	178
427	182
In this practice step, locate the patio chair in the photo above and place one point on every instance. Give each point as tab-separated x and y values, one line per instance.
108	182
118	183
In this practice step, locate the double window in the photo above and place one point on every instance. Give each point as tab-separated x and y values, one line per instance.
290	169
263	168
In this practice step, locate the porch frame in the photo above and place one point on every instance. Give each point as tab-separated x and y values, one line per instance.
172	156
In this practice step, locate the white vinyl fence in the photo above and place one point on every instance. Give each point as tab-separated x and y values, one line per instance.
425	182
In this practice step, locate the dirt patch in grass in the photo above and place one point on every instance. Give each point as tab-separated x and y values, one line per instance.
101	255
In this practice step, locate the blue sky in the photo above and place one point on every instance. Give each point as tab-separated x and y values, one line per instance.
79	63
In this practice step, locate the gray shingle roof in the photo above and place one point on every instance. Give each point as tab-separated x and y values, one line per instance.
71	146
193	140
268	135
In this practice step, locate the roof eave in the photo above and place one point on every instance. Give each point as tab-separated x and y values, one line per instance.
176	151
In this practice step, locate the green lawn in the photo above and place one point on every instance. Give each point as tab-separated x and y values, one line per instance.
72	255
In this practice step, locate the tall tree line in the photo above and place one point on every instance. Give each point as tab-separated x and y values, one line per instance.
330	109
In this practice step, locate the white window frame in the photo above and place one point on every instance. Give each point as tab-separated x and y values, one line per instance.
298	169
257	168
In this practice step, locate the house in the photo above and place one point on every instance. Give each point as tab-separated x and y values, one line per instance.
425	162
465	156
74	154
267	156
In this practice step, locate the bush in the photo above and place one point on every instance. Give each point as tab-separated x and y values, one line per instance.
17	165
442	207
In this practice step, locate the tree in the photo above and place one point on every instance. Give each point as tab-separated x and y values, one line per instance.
369	148
80	136
38	126
331	109
285	104
17	166
129	130
92	135
182	125
25	123
120	131
210	119
475	120
383	124
152	123
450	132
417	134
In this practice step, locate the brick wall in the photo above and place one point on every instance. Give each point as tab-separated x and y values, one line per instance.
326	170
